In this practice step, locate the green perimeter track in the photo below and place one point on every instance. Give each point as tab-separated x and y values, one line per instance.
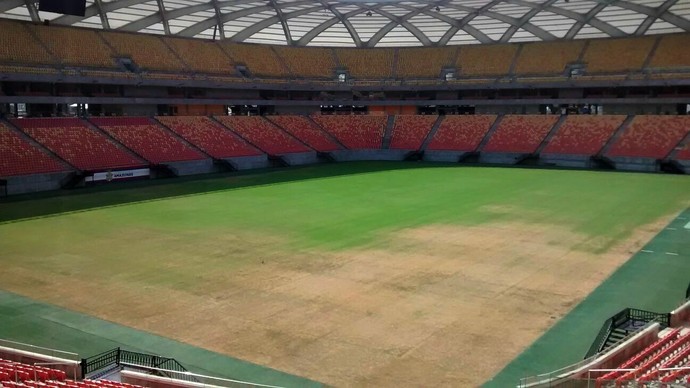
654	279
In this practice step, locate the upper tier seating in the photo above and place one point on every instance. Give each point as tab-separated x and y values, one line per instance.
148	51
147	139
263	134
672	52
29	51
418	62
79	145
461	133
209	136
354	132
76	46
308	62
410	131
547	57
304	129
368	63
201	56
260	59
617	55
486	60
651	136
583	135
520	133
19	157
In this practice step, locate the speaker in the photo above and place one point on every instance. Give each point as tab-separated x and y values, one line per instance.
67	7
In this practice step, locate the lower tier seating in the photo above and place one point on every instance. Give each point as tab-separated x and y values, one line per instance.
461	133
664	352
17	374
410	131
354	131
304	129
583	134
209	136
263	134
82	147
521	134
147	139
651	137
20	157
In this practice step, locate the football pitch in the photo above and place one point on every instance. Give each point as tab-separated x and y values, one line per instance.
377	274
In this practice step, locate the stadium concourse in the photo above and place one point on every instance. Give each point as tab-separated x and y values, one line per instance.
95	92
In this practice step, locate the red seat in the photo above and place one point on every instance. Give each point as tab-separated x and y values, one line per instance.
522	133
263	134
461	133
79	145
209	136
410	131
355	132
583	135
148	139
305	130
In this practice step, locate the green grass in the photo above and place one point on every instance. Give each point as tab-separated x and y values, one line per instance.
330	207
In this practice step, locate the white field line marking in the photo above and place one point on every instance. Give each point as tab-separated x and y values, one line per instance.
671	229
682	218
687	226
646	251
671	253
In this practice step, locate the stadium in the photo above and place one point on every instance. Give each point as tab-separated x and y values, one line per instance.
306	193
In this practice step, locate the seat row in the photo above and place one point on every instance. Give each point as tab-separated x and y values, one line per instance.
46	145
88	48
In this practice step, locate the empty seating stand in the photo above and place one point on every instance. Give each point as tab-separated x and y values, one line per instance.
16	374
356	132
410	131
209	136
461	133
520	134
583	135
19	157
79	145
148	139
651	137
305	130
263	134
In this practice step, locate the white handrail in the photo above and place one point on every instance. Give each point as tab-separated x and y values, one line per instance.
188	373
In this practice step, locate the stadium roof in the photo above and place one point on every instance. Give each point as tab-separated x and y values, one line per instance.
375	23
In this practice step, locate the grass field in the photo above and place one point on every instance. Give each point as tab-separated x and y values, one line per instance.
380	274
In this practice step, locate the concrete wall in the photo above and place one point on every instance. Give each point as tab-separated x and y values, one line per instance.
443	156
500	158
636	164
681	315
300	158
577	161
33	183
355	155
193	167
249	162
147	380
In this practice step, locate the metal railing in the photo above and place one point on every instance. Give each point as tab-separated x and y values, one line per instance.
117	357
